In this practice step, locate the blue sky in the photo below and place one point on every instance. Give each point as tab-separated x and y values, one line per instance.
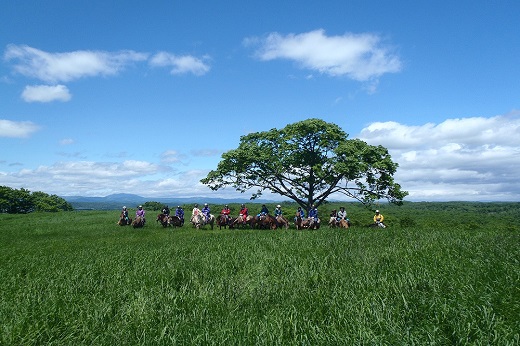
102	97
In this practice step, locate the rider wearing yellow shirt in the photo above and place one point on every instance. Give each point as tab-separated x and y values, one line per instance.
378	219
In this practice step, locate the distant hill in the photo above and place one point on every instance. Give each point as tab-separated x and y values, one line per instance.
116	201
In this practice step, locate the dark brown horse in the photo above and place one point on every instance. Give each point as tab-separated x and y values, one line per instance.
175	221
224	220
123	221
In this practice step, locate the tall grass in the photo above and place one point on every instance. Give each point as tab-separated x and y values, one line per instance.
77	278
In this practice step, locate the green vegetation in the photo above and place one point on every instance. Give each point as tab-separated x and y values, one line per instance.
441	273
14	201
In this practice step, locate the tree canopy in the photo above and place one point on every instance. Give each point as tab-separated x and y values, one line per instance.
307	162
22	201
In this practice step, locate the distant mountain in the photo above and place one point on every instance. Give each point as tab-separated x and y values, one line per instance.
115	201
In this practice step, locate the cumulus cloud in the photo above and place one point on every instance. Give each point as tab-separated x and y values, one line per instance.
46	93
361	57
474	158
89	178
180	64
17	129
64	67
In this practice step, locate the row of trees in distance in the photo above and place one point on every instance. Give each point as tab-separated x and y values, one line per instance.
22	201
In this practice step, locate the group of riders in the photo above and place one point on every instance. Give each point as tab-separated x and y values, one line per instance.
337	218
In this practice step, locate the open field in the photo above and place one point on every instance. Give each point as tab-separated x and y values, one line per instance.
441	273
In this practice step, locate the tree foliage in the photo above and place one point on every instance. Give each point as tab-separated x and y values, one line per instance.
307	162
22	201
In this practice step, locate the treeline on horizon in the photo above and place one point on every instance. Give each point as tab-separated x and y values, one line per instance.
469	214
23	201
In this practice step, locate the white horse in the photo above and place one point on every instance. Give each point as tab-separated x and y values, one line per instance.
199	220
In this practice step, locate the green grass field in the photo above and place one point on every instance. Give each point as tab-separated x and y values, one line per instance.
76	278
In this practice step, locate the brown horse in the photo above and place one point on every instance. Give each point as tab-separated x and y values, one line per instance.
224	220
138	222
298	221
344	224
123	221
282	222
265	222
241	222
175	221
163	219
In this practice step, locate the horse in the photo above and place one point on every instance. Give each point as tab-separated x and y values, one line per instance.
314	224
282	222
175	221
249	220
224	220
298	221
344	223
123	221
163	219
266	222
333	222
138	222
199	220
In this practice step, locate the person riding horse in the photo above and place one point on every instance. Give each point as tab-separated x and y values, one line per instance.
206	212
225	213
378	219
124	214
179	212
140	213
243	214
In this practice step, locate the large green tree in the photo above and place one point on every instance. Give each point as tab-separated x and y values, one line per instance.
307	162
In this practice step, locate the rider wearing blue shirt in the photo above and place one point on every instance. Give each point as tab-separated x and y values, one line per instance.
313	213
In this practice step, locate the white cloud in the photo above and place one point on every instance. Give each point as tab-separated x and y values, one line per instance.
459	159
64	67
180	64
88	178
17	129
66	141
170	156
46	93
361	57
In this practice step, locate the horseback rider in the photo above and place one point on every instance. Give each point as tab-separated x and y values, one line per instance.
313	213
206	212
244	212
342	215
179	212
378	219
140	212
166	210
225	212
264	211
278	211
124	214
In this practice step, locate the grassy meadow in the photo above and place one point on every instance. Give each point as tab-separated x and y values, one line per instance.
440	274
